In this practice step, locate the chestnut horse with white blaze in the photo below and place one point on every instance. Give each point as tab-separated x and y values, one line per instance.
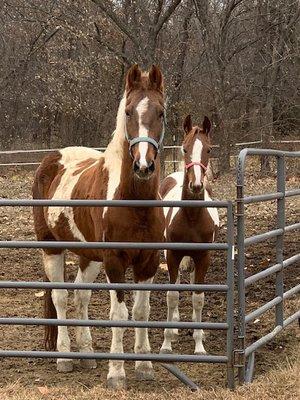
192	225
128	169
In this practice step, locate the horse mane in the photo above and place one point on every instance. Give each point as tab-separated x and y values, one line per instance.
114	150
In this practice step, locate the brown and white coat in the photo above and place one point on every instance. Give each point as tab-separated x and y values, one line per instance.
83	173
193	225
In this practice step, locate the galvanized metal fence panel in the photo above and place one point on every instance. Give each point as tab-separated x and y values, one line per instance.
235	356
227	288
246	366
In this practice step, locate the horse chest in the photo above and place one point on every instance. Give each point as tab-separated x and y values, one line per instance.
191	227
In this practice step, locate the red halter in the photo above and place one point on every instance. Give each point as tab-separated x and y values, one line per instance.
191	164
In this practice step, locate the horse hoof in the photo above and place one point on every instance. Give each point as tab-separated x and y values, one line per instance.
88	364
116	383
166	351
65	366
200	353
144	374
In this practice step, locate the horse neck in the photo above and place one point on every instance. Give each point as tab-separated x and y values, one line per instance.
133	188
191	212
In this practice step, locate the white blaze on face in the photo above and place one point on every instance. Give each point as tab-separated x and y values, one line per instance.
143	131
196	157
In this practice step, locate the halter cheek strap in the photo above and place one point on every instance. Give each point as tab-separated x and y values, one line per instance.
139	139
191	164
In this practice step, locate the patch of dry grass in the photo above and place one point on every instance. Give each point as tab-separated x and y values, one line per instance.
282	383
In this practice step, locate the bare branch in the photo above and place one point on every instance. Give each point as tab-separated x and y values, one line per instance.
117	21
121	55
166	16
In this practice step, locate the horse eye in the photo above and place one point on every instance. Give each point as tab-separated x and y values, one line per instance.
208	151
184	150
161	114
127	113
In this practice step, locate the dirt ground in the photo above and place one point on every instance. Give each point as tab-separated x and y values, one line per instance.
16	223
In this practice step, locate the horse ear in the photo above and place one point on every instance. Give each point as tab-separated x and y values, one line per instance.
187	125
156	80
206	124
133	77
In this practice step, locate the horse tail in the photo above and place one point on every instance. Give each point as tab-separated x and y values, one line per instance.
51	331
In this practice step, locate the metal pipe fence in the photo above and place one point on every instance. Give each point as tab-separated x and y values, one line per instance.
240	355
166	359
245	354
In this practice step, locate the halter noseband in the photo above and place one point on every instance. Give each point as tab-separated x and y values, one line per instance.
139	139
191	164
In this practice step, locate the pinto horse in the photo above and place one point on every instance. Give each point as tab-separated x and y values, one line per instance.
128	169
189	224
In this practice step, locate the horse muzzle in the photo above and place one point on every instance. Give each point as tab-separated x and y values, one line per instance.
196	189
144	171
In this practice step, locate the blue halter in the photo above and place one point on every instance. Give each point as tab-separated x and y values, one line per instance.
139	139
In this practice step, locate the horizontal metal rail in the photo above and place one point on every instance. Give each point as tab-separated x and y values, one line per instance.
110	203
265	339
8	152
271	270
293	192
261	310
292	227
15	244
19	164
113	286
116	356
291	292
263	236
292	260
263	197
291	319
114	324
262	341
262	274
270	196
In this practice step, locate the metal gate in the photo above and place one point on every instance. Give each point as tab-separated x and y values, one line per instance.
167	360
234	356
245	354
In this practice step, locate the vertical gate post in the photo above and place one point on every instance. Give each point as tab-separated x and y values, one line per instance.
279	240
230	297
240	209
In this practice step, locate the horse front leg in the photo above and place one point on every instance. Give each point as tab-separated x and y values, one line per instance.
197	277
115	273
173	261
141	312
87	273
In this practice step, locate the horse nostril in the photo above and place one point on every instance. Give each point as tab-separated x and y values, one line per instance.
136	166
151	166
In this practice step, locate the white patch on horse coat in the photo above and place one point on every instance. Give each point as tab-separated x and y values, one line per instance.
196	157
141	108
141	312
175	194
70	157
213	211
118	312
81	302
54	269
114	154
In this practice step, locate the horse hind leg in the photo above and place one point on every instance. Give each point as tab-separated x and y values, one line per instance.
54	265
87	273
